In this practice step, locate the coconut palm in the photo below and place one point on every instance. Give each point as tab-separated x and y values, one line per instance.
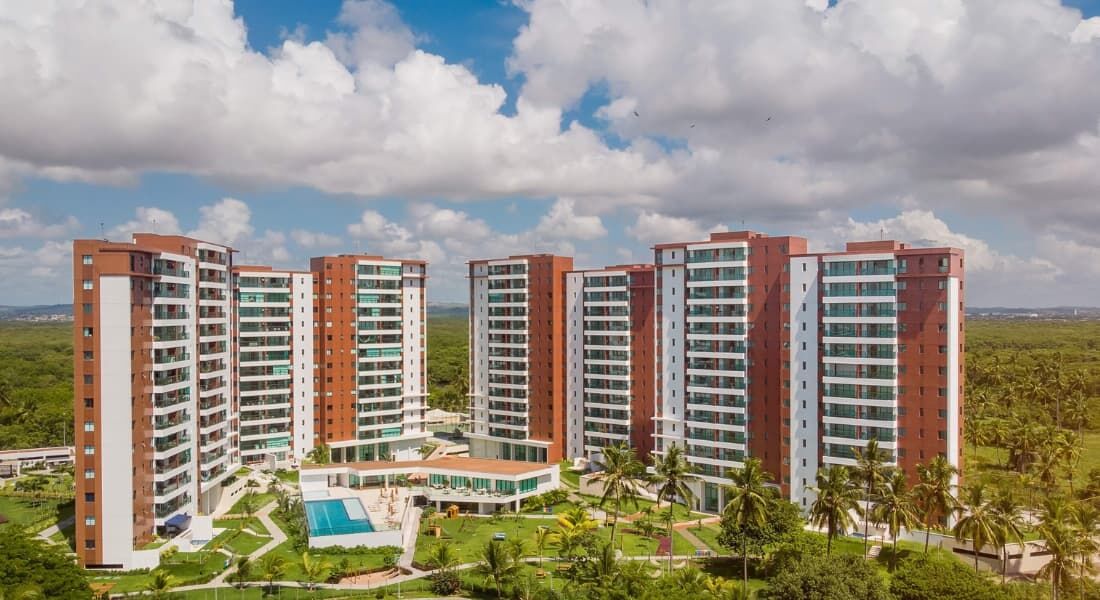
497	564
1086	519
837	498
160	584
895	509
543	537
273	567
243	568
671	474
979	521
749	505
443	556
1063	544
622	475
870	464
320	455
934	493
314	570
1010	525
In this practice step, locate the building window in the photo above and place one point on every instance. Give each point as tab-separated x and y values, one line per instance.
86	259
89	520
88	380
89	450
89	426
89	544
87	332
87	284
89	473
89	496
89	355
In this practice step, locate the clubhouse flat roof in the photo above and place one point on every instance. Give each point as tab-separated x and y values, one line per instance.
451	464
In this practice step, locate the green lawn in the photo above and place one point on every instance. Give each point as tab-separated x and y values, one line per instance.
287	476
987	465
239	542
709	535
294	561
185	567
679	512
66	536
37	514
260	500
470	534
254	524
568	475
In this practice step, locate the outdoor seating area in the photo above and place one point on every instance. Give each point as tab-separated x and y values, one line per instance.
481	485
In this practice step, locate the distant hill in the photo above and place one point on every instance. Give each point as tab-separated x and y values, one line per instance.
448	309
38	312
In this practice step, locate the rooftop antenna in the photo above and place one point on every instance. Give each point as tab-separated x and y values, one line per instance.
102	232
154	225
882	233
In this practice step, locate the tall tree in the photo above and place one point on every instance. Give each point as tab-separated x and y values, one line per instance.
273	567
1062	543
978	522
1009	525
748	506
869	472
837	498
543	537
28	562
895	508
622	475
314	569
497	564
672	474
935	492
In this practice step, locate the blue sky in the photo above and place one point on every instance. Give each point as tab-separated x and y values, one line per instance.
615	127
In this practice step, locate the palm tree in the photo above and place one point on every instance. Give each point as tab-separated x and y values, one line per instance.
497	565
837	498
671	474
426	450
1063	544
979	521
160	584
443	557
1009	525
314	570
934	492
896	509
273	567
248	505
749	505
320	455
870	462
542	538
242	571
621	474
1086	519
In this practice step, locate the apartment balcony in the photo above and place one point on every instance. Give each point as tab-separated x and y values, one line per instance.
717	255
717	274
162	313
171	443
167	509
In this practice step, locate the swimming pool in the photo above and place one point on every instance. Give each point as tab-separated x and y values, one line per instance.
337	516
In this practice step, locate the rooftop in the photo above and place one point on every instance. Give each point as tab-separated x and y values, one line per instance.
458	464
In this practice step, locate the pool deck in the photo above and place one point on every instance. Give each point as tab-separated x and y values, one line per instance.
384	507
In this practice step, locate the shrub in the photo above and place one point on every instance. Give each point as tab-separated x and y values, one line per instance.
445	583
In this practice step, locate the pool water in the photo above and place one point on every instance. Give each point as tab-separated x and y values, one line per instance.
337	516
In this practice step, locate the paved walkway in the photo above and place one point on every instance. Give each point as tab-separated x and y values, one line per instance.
685	530
56	527
277	537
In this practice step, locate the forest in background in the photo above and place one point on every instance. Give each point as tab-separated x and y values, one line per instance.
1006	364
